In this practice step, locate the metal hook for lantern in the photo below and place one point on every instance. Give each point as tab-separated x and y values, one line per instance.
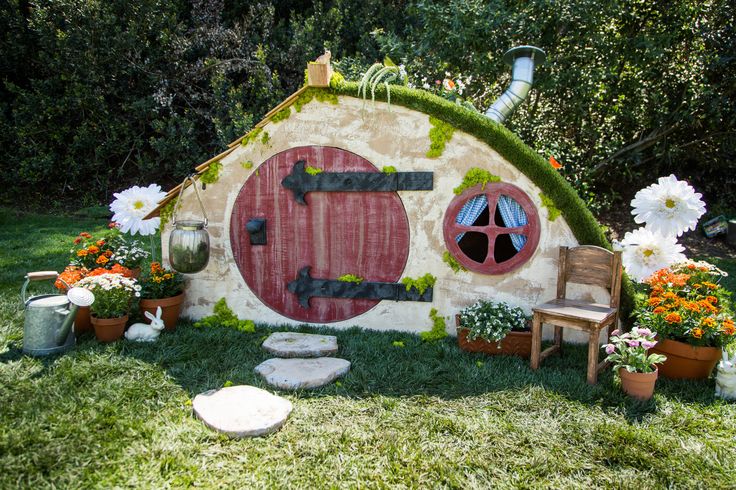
190	178
189	241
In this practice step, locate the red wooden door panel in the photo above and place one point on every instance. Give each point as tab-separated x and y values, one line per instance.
336	233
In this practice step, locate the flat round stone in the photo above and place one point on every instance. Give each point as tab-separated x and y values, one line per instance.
241	411
302	374
293	344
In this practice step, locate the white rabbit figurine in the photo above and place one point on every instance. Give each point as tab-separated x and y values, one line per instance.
726	378
140	332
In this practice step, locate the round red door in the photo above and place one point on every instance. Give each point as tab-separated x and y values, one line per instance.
336	233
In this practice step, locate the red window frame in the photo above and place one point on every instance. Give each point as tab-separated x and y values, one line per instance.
492	192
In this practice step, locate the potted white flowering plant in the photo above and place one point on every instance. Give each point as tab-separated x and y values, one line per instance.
628	352
113	296
494	328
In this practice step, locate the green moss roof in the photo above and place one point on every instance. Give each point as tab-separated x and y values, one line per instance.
581	221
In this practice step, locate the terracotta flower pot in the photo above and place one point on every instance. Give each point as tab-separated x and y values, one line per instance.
685	361
638	385
514	344
82	323
109	329
170	309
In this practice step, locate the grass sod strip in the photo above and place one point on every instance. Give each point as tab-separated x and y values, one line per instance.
418	416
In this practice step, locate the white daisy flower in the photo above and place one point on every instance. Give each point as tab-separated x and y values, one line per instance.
645	252
132	205
669	207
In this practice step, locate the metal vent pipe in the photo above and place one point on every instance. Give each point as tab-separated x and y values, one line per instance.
523	60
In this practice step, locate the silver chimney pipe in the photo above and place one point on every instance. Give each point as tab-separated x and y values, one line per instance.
523	60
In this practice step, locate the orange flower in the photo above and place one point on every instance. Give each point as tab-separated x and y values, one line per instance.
696	332
691	306
728	328
167	276
71	275
710	285
708	306
691	266
673	318
712	300
659	309
555	164
655	301
102	260
77	241
82	253
155	267
112	225
708	322
84	234
119	269
669	295
108	253
93	249
100	243
697	285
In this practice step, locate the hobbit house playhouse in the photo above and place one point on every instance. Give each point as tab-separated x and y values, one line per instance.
338	211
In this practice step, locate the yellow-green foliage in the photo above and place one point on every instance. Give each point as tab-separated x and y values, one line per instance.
265	138
439	135
350	278
474	177
421	284
247	165
212	174
552	211
166	212
313	170
283	114
438	328
397	343
314	93
251	137
452	262
224	317
337	80
388	169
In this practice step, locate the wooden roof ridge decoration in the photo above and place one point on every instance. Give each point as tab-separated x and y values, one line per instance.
201	168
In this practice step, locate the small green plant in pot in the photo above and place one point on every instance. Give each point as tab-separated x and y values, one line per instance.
162	288
494	328
628	352
113	295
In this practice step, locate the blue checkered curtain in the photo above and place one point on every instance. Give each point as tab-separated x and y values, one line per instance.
470	212
513	215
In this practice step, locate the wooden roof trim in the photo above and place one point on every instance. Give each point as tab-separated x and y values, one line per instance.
285	103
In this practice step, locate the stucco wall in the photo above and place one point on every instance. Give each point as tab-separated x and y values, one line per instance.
397	137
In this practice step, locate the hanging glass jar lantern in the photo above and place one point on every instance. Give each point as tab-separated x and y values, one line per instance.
189	241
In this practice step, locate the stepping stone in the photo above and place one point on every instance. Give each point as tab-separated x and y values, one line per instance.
293	344
299	374
241	411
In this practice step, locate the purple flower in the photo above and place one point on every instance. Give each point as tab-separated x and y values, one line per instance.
648	344
645	332
633	343
615	332
610	348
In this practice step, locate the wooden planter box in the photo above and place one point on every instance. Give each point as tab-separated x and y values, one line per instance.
514	344
319	74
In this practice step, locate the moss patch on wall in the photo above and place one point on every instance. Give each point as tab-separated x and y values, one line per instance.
552	212
452	262
388	169
439	134
247	164
282	115
211	174
322	95
421	283
439	328
313	170
476	176
577	215
350	278
166	212
251	137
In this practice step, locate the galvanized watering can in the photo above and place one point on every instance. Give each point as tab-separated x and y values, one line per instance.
189	241
49	317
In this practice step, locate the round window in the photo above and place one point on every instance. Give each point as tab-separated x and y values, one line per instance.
492	229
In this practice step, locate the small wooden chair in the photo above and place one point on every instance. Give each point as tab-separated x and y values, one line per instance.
585	264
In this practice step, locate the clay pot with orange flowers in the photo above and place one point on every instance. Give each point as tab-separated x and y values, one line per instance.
691	313
164	288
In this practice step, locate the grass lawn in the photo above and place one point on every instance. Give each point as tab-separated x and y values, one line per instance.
422	415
